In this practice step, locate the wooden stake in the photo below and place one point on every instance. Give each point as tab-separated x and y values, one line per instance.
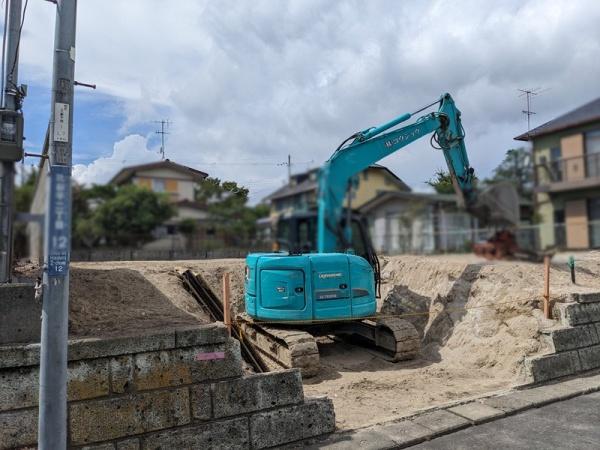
547	309
227	302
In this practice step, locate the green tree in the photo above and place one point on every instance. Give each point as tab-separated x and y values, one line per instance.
442	182
517	168
24	192
86	230
23	198
229	214
132	214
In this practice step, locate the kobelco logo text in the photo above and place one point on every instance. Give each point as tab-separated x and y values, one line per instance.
330	275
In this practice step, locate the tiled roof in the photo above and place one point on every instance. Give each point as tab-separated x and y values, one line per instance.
127	172
311	185
587	113
383	197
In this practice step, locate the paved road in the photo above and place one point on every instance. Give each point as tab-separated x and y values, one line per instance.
570	424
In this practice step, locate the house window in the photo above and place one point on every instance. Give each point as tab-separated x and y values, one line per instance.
366	175
594	221
158	185
592	153
556	164
560	234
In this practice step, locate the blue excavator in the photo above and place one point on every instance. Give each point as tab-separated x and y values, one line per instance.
329	287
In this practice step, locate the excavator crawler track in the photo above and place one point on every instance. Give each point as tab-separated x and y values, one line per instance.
403	336
280	347
283	347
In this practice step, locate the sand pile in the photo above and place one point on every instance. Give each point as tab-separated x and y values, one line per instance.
474	313
212	272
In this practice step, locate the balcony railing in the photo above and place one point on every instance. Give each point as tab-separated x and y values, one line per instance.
569	170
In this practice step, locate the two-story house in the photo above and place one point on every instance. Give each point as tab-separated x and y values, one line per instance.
175	180
566	155
300	194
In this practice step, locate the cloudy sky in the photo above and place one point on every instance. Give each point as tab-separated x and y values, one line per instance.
245	83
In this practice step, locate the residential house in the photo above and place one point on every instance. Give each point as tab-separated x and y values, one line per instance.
415	222
300	194
566	155
175	180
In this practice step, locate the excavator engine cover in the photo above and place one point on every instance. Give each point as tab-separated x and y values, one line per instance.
311	287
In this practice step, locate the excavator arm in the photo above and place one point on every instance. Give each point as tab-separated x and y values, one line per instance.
372	145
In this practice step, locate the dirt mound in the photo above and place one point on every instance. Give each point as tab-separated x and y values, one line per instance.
125	298
212	273
119	301
478	320
472	313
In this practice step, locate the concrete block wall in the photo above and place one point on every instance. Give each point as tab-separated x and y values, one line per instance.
575	340
178	389
20	314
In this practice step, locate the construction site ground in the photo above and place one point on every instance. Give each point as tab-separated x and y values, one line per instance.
478	321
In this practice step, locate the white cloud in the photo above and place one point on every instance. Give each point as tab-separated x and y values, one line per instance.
129	151
254	81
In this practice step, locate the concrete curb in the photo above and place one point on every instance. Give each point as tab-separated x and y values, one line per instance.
436	422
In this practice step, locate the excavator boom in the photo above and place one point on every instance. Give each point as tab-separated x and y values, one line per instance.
369	146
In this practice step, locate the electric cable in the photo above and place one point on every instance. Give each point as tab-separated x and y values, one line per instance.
3	54
12	70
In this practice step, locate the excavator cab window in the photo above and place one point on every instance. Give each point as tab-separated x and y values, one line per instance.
297	235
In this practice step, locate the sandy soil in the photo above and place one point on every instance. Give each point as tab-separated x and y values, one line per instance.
478	320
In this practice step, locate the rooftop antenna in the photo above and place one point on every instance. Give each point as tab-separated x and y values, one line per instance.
164	126
529	94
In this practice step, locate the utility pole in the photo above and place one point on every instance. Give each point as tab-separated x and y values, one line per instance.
52	431
10	125
289	164
164	125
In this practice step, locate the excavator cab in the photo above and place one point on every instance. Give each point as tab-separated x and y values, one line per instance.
296	234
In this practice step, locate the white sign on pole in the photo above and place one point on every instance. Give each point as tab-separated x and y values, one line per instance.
61	122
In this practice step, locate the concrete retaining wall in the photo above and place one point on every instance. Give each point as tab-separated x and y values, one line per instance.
20	314
575	340
180	389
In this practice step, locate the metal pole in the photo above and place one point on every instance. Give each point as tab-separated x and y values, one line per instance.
7	168
53	358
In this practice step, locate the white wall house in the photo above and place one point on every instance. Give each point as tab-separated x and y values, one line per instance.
410	222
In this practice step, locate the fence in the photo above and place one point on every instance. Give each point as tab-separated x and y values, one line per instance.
424	241
529	237
125	254
576	168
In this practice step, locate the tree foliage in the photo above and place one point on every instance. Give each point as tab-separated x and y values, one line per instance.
228	211
124	216
442	182
24	192
517	168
